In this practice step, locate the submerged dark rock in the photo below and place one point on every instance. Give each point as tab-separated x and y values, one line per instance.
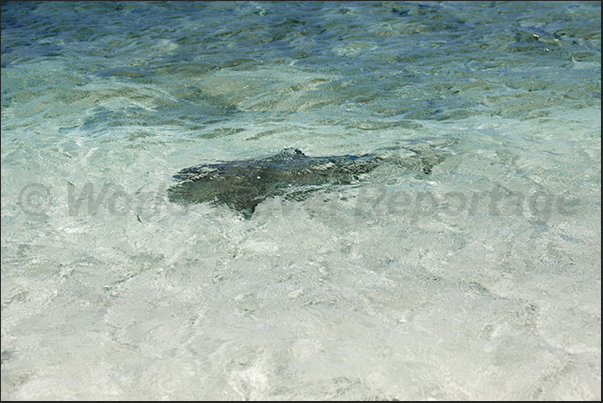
242	185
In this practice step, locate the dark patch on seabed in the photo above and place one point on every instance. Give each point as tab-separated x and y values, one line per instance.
242	185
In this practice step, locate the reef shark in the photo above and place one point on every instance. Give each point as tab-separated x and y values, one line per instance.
242	185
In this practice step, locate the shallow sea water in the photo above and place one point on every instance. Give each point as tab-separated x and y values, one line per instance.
478	280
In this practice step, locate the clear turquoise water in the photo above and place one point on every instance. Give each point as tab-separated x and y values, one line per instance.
111	292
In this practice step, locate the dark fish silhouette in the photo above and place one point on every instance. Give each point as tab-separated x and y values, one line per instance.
242	185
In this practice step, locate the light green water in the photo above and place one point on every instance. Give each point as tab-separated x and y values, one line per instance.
479	280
